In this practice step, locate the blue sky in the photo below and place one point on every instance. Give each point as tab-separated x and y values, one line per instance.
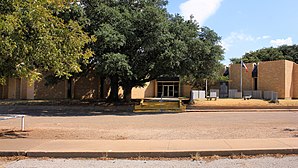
244	25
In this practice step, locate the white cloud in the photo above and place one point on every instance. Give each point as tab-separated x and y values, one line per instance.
263	37
279	42
200	9
236	37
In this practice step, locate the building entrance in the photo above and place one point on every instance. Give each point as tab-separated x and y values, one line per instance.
168	91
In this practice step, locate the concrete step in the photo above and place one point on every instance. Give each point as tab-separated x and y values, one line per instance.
155	106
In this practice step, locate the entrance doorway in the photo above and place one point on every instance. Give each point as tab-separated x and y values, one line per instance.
168	91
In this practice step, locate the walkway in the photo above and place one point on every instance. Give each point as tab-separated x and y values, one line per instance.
146	148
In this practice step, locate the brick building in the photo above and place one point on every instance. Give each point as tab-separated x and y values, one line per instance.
162	87
88	87
279	76
17	88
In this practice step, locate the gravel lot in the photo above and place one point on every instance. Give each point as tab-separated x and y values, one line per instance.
117	126
264	162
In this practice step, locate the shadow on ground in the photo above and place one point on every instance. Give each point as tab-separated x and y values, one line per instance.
69	108
12	134
68	111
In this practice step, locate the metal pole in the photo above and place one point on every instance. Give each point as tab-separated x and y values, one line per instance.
23	123
206	88
241	77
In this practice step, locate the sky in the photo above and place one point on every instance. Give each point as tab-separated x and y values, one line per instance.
244	25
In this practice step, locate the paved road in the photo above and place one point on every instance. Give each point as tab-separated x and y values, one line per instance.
218	125
265	162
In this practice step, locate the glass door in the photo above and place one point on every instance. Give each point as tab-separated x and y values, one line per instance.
168	91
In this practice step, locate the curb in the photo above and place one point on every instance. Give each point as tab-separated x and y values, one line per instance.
12	153
157	154
240	110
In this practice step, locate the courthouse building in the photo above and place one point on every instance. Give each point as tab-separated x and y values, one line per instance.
89	87
280	76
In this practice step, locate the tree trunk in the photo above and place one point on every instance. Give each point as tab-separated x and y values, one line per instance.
113	97
127	93
102	87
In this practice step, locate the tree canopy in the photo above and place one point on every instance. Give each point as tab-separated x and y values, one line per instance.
284	52
34	40
138	41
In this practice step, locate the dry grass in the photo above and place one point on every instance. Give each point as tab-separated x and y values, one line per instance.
240	103
288	102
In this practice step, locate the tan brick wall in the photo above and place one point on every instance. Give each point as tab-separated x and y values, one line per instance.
30	90
234	75
155	88
18	88
289	67
26	89
185	90
150	90
295	81
272	77
58	91
141	92
23	88
4	89
3	92
11	84
87	87
280	76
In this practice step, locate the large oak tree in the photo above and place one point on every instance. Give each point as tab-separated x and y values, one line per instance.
35	40
138	41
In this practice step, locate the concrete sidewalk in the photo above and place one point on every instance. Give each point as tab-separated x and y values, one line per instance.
145	148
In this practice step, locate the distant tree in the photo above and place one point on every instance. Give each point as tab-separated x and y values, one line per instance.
235	60
35	40
289	52
270	54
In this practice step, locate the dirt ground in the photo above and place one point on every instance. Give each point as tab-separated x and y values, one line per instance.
77	122
224	125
